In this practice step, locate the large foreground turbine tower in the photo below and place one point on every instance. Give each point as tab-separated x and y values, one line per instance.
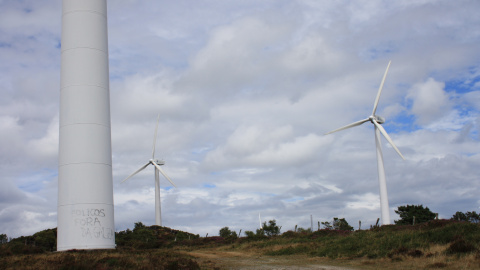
85	186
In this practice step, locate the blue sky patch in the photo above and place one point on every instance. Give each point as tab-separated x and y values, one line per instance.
5	45
402	122
462	86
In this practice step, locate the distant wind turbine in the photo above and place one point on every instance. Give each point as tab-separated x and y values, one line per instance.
377	121
156	163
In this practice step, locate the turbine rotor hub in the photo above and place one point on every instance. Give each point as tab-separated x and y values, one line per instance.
158	162
377	118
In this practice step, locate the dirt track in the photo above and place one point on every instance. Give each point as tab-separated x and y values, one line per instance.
212	259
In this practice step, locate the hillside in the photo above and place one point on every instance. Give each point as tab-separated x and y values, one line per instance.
434	245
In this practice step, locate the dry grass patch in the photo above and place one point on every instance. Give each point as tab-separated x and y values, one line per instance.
101	259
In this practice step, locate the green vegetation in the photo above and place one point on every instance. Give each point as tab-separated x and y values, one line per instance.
101	259
225	232
413	214
3	238
338	224
266	231
271	229
259	234
385	241
166	248
143	237
472	217
145	246
40	242
228	235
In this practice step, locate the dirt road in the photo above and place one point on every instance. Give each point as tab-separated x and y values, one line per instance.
214	259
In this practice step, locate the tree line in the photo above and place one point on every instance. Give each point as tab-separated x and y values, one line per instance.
148	236
409	215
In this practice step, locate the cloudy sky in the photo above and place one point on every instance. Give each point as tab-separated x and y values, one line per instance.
245	91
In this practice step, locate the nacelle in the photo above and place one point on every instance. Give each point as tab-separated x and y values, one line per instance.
159	162
379	119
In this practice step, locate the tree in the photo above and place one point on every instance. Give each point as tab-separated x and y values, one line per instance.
460	216
267	230
46	239
409	212
250	234
472	217
341	224
3	238
271	229
302	230
337	224
260	233
138	225
225	232
327	225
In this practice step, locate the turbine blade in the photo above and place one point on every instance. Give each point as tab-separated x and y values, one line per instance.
380	89
137	171
385	134
163	173
358	123
155	137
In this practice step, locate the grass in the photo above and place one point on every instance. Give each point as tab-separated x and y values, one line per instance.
385	241
101	259
435	245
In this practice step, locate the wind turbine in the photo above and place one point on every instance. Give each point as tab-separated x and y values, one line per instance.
377	121
156	163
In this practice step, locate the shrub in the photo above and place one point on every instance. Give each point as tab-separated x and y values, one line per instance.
289	234
341	224
460	246
225	232
46	239
413	213
271	229
259	234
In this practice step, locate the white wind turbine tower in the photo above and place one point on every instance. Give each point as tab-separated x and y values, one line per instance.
377	121
156	163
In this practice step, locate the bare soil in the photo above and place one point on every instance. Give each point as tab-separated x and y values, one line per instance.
219	258
215	259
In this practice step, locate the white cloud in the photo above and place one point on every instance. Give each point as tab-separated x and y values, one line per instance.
259	146
46	146
313	54
368	200
430	101
245	91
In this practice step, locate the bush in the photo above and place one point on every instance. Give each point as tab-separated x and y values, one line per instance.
271	229
472	217
304	231
46	239
228	235
460	246
259	234
410	213
225	232
144	237
3	239
341	224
